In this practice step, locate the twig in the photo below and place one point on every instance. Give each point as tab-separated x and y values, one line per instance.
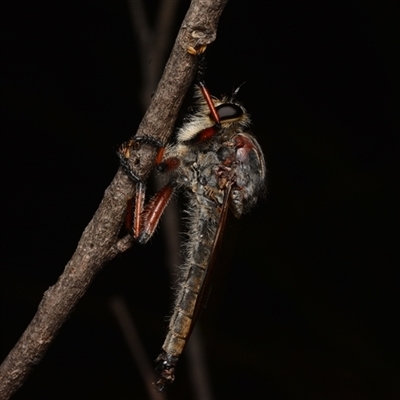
99	242
198	370
153	43
153	46
131	336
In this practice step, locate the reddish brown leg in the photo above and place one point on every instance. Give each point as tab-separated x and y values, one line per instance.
168	164
146	217
139	206
149	219
134	210
129	216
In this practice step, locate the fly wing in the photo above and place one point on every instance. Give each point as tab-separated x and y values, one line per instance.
205	288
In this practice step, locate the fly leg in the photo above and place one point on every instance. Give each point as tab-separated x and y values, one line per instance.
146	217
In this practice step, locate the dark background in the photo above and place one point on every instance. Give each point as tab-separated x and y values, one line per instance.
305	305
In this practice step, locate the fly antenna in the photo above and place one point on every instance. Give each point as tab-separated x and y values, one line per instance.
236	91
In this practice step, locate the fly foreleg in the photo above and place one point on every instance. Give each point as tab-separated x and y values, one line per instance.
145	218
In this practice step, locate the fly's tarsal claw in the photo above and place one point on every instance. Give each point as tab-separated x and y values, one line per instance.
143	238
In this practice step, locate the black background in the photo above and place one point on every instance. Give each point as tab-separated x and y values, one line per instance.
304	306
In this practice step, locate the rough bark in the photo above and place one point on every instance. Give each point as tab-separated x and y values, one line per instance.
100	241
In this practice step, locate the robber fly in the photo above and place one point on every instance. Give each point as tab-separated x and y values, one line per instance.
219	165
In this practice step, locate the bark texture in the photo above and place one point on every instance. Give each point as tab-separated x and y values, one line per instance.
100	240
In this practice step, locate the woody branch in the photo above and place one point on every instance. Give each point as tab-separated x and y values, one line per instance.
99	242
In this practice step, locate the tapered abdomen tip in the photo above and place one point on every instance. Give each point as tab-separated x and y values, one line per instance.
165	369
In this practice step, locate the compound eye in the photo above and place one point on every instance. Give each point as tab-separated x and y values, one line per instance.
229	112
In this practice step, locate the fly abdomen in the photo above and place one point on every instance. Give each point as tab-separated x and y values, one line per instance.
180	323
203	230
